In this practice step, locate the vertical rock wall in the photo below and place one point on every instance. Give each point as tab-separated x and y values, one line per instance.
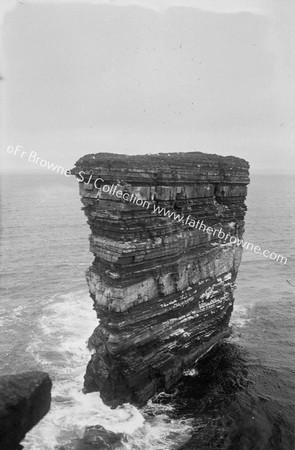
162	286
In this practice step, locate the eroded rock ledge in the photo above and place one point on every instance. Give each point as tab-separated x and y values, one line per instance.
163	291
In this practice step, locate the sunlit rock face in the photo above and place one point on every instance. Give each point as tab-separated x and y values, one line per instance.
162	285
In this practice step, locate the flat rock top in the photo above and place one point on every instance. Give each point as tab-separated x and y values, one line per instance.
159	160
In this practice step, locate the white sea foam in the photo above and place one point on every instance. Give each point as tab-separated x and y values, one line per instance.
240	316
190	373
60	348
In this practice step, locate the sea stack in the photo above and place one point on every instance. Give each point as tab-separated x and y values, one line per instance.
165	233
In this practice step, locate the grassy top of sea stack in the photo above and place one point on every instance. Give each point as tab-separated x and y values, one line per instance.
192	166
158	159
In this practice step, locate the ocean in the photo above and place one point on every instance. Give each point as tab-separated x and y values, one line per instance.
239	397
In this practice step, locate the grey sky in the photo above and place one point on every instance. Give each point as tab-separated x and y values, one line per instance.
85	77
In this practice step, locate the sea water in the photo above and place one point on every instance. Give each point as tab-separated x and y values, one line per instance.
241	396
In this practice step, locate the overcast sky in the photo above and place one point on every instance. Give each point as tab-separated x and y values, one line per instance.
148	76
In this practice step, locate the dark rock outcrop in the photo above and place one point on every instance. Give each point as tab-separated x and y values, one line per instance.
96	437
24	399
162	285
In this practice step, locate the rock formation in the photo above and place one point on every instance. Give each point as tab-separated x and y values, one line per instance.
24	399
162	280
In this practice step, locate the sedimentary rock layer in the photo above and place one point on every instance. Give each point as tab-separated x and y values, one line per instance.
24	399
162	286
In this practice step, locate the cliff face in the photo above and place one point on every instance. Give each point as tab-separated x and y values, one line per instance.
162	285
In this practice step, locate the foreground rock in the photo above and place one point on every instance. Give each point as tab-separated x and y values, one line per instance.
162	286
24	399
96	437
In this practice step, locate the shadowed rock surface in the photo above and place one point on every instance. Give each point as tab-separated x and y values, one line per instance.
24	399
162	287
96	437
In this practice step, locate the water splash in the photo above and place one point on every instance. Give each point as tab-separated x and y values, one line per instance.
59	346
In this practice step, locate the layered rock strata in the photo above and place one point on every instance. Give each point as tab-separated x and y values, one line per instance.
162	285
24	399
